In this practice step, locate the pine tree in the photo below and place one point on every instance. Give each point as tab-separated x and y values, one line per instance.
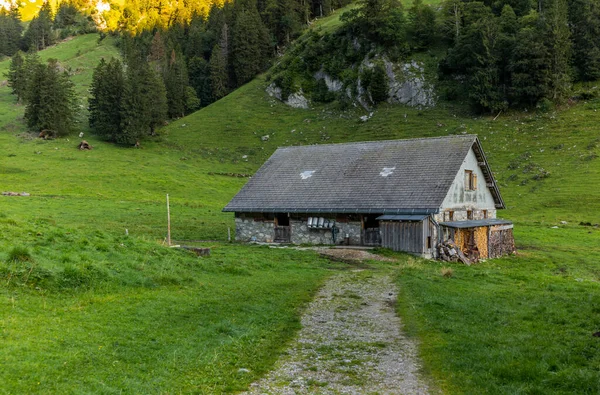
218	73
36	72
199	76
249	45
176	82
10	30
50	99
558	44
17	77
584	19
105	103
422	27
530	63
65	15
39	34
144	104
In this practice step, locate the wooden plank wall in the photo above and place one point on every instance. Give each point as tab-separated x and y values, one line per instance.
405	236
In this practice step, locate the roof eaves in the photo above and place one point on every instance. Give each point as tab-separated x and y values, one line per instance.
398	211
489	176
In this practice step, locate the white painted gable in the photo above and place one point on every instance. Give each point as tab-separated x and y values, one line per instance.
458	198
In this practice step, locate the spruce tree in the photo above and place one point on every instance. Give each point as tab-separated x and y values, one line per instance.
10	30
422	28
176	82
199	76
530	64
249	45
558	44
39	34
17	76
584	20
218	73
144	104
105	103
50	99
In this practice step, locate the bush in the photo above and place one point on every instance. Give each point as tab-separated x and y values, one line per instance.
375	82
321	92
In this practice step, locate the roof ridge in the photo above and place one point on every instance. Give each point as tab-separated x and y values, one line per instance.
451	136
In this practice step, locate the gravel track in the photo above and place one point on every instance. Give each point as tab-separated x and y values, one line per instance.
350	343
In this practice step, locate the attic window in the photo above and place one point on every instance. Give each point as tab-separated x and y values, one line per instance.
470	180
306	174
386	171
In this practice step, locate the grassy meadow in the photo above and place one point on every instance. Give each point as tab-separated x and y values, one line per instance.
86	308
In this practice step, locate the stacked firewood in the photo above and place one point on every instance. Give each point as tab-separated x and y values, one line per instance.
448	251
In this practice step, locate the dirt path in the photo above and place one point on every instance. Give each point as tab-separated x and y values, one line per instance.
350	343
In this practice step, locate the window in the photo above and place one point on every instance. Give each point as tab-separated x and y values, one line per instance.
451	215
470	180
282	219
428	241
469	214
485	214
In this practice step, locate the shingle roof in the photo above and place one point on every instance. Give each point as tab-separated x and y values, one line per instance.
395	176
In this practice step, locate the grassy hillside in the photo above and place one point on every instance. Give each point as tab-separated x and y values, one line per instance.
87	309
522	324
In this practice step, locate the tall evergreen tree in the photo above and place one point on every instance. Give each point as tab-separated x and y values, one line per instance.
584	20
218	73
558	44
39	34
199	76
422	27
10	30
176	83
106	99
530	64
50	99
249	44
17	76
144	104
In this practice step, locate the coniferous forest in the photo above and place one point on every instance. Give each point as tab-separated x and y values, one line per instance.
498	54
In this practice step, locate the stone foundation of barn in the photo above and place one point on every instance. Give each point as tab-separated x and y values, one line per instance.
479	238
262	228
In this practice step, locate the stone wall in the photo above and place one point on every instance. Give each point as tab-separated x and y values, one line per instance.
302	234
248	229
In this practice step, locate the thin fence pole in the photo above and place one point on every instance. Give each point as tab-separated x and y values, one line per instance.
168	222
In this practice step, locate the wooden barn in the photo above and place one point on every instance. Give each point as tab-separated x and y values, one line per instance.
407	195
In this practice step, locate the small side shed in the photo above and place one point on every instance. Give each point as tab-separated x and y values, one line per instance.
486	238
410	233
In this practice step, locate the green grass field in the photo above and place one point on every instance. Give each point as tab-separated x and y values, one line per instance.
86	308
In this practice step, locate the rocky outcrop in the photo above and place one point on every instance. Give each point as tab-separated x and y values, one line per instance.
295	100
333	85
407	85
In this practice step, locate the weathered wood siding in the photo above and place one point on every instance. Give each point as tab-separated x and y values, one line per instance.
409	236
501	241
371	237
